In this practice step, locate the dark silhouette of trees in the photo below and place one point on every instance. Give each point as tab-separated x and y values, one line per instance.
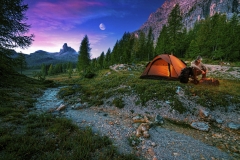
12	30
21	62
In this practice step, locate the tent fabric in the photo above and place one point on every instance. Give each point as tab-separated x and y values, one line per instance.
164	66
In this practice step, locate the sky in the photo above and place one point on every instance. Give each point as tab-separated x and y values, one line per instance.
55	22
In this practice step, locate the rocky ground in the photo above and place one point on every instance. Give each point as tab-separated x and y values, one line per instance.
158	133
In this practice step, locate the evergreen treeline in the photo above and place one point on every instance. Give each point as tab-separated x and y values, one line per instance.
49	70
215	37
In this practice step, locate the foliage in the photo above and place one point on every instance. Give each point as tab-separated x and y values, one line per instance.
149	46
12	32
174	28
13	29
84	55
193	50
133	141
89	74
70	70
118	102
21	62
162	42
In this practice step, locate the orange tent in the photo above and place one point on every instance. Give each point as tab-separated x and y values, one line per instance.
164	66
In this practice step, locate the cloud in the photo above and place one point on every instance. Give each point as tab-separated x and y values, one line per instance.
66	15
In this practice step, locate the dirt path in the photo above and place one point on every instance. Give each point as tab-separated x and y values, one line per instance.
163	143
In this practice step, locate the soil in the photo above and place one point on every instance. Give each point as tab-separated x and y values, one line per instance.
174	139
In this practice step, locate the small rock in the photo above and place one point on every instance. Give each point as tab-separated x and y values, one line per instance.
78	106
111	123
143	147
146	134
168	102
203	113
159	119
219	121
153	144
234	126
138	117
202	126
154	158
221	146
61	107
151	152
217	135
176	154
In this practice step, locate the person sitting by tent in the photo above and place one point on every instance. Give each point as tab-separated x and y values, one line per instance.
198	68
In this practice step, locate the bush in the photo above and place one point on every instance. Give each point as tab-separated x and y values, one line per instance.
89	74
118	102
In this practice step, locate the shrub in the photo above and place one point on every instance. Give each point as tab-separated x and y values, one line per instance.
118	102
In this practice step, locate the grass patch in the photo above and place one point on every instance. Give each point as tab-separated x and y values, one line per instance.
109	83
47	137
31	136
224	95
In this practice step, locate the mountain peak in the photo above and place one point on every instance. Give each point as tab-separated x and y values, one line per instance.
65	48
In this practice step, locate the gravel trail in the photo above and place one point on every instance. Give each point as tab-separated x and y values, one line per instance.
162	143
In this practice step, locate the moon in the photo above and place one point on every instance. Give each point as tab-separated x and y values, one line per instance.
102	27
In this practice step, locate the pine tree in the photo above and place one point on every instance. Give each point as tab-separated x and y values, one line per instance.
174	28
50	70
44	70
107	59
193	50
21	62
149	45
13	30
139	48
115	56
100	60
232	41
84	55
70	69
162	42
203	37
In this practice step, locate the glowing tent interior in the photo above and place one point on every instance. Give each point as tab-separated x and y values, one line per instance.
163	66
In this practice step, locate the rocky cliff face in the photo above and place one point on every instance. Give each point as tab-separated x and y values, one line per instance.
192	11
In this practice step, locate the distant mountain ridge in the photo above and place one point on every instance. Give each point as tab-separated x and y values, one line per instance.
66	54
192	11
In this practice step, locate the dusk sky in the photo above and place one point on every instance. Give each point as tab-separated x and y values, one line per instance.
55	22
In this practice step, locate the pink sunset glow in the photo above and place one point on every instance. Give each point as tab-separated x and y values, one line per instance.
55	22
